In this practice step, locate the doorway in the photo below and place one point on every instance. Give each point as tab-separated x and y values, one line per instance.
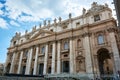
104	62
65	66
41	66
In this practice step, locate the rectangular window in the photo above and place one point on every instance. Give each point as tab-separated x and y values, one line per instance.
78	24
14	43
43	50
66	46
51	30
41	66
23	69
96	18
65	66
50	48
26	54
100	39
64	27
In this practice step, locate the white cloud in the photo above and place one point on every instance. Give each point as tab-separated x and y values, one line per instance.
34	10
1	5
74	7
3	24
30	7
22	31
14	23
1	12
45	13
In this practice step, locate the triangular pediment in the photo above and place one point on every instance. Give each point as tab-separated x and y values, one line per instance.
41	33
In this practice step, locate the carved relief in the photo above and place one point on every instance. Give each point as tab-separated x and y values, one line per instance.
80	62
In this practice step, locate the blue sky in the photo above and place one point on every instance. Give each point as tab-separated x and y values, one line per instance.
21	15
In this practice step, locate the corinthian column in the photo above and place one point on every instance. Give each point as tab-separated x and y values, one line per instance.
12	63
36	59
45	60
71	57
88	60
53	58
58	57
28	64
115	50
20	61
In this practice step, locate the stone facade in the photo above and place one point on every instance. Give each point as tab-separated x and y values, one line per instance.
87	44
1	69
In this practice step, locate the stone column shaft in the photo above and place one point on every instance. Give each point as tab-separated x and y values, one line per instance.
36	59
58	58
71	57
12	63
53	59
28	64
115	51
46	59
20	61
88	60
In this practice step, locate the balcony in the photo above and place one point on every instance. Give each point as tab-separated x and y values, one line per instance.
65	51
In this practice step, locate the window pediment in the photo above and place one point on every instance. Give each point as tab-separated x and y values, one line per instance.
41	33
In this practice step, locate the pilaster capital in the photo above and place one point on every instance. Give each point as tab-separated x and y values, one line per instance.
86	34
112	30
59	41
36	45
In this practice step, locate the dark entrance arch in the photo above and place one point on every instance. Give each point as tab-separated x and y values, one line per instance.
23	70
8	68
104	62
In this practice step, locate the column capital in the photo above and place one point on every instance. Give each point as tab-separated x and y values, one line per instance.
86	34
112	30
59	41
31	47
37	45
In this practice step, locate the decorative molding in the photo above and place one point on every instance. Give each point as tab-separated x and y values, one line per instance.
112	30
86	34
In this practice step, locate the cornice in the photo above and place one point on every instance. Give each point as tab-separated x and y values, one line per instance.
60	35
112	30
86	34
102	22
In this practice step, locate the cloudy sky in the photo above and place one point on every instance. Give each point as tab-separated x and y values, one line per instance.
21	15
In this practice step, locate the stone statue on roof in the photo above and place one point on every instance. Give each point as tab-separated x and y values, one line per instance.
84	11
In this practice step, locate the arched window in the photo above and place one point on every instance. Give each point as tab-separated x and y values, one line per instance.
14	43
78	43
100	39
43	50
66	45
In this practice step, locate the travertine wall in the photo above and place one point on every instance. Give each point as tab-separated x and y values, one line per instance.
82	56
